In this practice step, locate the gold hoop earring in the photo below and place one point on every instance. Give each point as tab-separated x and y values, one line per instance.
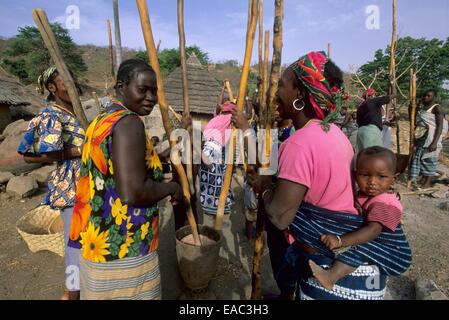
298	108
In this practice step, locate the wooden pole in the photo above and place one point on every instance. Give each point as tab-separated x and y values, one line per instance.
221	96
265	77
329	50
41	20
277	55
412	123
256	292
118	37
229	90
152	55
240	104
248	22
185	88
111	51
175	114
392	78
97	102
158	46
260	78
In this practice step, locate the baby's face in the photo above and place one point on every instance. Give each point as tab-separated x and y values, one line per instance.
374	175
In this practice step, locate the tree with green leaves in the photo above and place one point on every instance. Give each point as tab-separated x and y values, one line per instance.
430	58
27	57
169	59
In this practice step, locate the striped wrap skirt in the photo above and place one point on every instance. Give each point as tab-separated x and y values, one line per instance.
136	278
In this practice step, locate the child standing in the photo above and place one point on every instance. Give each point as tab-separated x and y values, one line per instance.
375	174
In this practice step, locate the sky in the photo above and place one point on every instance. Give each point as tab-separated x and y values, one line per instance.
355	28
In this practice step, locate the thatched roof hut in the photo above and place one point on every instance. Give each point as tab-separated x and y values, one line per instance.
204	90
22	101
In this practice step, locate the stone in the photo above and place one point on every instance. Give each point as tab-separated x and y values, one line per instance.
42	174
5	177
426	289
17	128
22	186
90	109
444	206
10	159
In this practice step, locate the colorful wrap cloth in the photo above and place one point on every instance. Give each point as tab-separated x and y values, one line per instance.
326	101
55	130
103	226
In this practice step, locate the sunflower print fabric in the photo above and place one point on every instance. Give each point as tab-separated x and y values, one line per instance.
103	227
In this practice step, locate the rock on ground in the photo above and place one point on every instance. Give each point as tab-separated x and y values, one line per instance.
5	177
42	174
22	186
10	160
444	206
426	289
17	128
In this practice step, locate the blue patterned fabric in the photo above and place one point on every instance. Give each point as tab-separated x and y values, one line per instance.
211	180
54	130
387	255
390	251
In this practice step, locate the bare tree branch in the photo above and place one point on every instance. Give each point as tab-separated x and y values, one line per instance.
400	91
424	63
415	62
356	96
403	56
358	80
406	70
375	77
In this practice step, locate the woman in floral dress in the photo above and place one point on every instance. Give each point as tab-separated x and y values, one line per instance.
115	220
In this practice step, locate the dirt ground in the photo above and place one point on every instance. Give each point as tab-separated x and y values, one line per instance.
40	276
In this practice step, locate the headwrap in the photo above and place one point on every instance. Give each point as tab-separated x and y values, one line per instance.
326	101
43	79
227	106
368	93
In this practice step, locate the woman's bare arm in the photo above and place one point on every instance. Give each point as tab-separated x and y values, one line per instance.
51	157
282	203
128	159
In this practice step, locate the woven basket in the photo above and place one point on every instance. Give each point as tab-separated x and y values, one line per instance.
42	229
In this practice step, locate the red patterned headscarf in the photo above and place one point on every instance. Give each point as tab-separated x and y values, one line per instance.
326	101
369	93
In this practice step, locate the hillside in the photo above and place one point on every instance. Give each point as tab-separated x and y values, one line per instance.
97	61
